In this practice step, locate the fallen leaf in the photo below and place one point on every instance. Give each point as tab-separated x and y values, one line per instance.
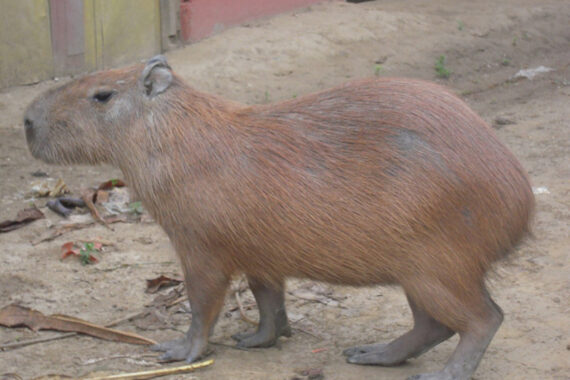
110	184
59	189
155	284
24	217
15	316
68	250
101	196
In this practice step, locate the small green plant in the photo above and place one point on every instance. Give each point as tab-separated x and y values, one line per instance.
267	97
440	69
294	96
460	25
86	253
506	62
378	69
136	208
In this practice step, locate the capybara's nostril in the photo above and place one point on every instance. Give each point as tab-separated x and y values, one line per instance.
29	128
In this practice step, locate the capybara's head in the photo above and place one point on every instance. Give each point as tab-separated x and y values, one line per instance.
83	121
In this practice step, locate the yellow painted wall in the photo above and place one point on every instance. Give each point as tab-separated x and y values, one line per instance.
25	44
116	33
120	32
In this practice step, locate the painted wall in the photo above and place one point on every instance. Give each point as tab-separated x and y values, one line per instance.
40	39
36	45
25	44
120	32
201	18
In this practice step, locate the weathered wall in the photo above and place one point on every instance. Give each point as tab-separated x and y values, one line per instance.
40	39
25	44
120	32
115	33
201	18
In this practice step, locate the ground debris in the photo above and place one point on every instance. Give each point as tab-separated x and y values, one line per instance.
152	373
15	316
155	284
24	217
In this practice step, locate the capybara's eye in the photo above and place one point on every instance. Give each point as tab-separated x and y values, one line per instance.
103	96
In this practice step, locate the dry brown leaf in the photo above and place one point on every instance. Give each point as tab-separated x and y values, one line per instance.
160	282
24	217
59	188
15	315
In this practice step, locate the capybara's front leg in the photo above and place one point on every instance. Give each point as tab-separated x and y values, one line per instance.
273	321
206	292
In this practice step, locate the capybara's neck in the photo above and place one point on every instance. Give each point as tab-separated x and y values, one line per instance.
179	140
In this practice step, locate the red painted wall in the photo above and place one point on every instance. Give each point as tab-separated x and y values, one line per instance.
201	18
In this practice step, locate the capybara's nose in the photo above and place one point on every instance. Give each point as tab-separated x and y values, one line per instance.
29	128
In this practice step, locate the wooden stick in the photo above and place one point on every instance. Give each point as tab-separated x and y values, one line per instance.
155	373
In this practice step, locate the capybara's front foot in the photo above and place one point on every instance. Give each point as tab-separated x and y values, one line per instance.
263	337
179	349
434	376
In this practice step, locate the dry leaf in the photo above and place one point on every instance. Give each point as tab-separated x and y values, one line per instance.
101	196
155	284
15	315
59	189
68	250
110	184
24	217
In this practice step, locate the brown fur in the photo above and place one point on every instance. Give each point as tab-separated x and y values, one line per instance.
377	181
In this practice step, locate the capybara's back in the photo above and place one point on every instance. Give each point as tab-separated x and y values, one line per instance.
384	181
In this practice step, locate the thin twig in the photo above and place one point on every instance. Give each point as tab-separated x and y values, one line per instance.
242	311
112	357
11	346
87	196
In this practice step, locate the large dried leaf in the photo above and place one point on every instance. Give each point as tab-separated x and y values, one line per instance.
24	217
160	282
110	184
15	315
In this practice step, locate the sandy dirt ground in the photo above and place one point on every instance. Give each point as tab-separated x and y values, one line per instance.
485	44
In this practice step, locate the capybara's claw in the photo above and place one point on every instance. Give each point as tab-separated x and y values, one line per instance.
166	346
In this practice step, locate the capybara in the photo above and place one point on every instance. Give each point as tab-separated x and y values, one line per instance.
377	181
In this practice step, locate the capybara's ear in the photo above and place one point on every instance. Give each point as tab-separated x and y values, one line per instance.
156	76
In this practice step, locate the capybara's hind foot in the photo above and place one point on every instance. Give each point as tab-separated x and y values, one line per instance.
179	349
427	332
261	337
433	376
374	354
364	349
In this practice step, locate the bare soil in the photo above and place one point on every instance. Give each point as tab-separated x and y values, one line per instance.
485	43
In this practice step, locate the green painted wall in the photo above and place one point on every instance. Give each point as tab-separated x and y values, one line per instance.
25	45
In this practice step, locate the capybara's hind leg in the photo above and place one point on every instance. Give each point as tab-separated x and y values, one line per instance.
426	333
482	318
273	321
